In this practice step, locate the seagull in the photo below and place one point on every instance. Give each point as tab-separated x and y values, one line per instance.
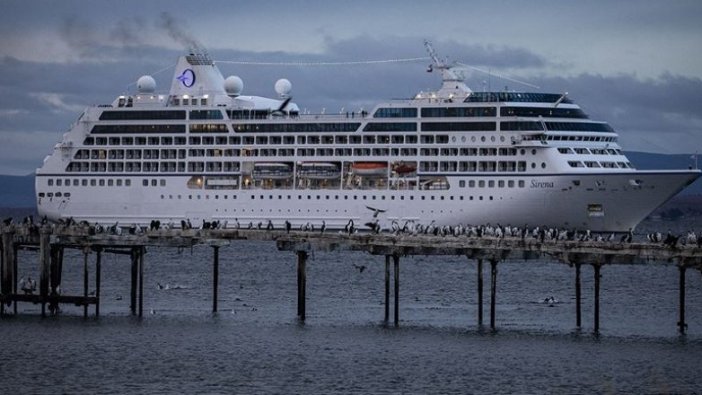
376	211
360	268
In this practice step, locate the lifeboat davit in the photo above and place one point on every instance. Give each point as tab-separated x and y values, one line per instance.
370	168
319	170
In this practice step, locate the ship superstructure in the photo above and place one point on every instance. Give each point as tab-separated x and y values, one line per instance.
454	156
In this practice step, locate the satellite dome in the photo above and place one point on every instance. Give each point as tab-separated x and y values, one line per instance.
283	87
146	84
233	85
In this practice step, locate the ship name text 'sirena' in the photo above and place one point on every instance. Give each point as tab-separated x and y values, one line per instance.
206	152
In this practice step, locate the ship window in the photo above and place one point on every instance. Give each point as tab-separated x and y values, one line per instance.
110	183
58	182
521	183
397	112
119	183
462	184
145	183
471	184
510	183
93	183
163	182
481	184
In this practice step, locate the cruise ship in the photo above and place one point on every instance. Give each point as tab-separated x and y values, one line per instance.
206	152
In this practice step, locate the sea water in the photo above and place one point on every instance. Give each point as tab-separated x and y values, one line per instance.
255	343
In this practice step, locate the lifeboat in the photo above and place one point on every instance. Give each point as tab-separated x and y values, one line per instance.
370	168
275	171
318	170
403	168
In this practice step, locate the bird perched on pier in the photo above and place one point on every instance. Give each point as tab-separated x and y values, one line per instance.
349	228
7	221
626	238
374	226
236	223
324	227
288	225
270	225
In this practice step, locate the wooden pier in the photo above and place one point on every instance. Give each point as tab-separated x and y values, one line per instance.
51	241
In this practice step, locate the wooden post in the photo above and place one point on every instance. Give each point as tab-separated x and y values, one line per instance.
142	251
396	261
301	283
98	269
14	274
2	273
681	322
215	278
4	270
578	316
597	298
387	289
45	266
480	292
135	262
86	251
493	291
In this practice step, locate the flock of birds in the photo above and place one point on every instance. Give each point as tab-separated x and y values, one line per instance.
408	227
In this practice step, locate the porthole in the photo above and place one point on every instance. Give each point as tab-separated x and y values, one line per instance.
472	138
543	165
482	138
492	139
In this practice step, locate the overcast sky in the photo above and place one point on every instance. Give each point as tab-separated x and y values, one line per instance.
634	64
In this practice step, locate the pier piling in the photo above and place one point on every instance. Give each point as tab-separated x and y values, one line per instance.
86	251
98	269
215	277
396	260
301	283
480	292
132	294
681	321
142	251
578	315
387	289
596	267
45	266
493	291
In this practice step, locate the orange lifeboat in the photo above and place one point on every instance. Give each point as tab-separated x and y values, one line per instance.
403	168
370	168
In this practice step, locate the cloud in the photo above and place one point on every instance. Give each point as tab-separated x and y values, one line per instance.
57	102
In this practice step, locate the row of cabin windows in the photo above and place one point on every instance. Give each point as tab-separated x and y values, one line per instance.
590	151
427	112
598	165
152	167
121	154
345	197
352	127
92	182
315	139
474	166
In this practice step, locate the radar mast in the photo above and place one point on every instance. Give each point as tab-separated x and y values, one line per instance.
452	82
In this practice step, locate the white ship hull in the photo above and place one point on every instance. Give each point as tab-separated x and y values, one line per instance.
602	202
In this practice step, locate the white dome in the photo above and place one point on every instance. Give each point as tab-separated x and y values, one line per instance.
283	87
146	84
233	85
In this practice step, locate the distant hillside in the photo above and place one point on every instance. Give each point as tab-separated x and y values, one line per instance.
17	191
